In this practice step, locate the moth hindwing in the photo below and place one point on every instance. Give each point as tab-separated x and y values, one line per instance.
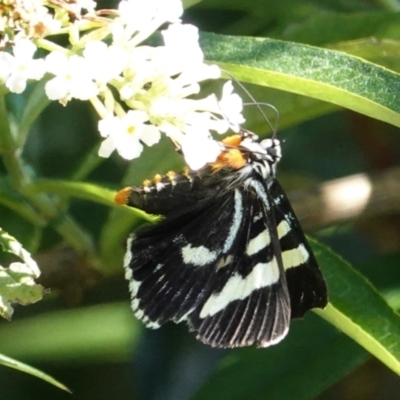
230	257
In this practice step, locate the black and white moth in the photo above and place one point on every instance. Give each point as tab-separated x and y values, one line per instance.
230	257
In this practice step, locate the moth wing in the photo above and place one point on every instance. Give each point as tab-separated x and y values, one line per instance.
250	304
231	294
167	265
307	287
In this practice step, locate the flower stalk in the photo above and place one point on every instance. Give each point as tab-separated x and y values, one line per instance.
20	177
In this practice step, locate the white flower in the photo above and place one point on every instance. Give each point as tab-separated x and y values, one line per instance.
207	120
6	61
125	134
169	10
80	5
195	141
182	50
139	71
104	62
73	78
231	106
199	148
21	66
139	14
142	18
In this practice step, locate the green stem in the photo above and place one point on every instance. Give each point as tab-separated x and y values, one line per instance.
35	105
20	178
8	149
89	163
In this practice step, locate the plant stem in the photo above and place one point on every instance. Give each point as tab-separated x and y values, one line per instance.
21	179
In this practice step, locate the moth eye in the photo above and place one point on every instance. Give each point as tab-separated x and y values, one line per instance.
272	151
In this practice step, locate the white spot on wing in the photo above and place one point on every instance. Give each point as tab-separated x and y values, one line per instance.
184	317
236	222
261	241
133	288
128	273
151	324
257	217
198	256
295	257
238	288
158	267
128	254
283	229
276	340
135	304
139	314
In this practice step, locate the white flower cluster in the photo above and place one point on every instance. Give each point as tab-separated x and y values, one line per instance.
154	82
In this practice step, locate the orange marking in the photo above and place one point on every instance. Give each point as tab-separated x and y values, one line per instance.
122	196
232	158
233	140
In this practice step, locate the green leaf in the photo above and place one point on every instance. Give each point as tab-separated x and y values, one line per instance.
9	362
338	27
357	309
312	357
189	3
11	245
101	333
17	283
385	52
322	74
86	191
385	279
36	103
14	201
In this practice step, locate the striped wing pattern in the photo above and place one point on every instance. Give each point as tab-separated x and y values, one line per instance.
236	266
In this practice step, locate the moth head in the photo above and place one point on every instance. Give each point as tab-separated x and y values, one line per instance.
245	150
272	147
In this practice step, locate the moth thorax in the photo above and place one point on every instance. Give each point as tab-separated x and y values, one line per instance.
264	167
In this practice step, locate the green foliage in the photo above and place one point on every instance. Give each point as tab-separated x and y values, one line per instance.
9	362
309	59
17	281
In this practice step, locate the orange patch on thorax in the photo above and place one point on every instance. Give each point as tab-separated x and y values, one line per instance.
232	158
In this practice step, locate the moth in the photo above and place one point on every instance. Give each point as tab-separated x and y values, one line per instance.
229	257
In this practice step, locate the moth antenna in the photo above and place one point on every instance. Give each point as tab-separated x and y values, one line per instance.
274	127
